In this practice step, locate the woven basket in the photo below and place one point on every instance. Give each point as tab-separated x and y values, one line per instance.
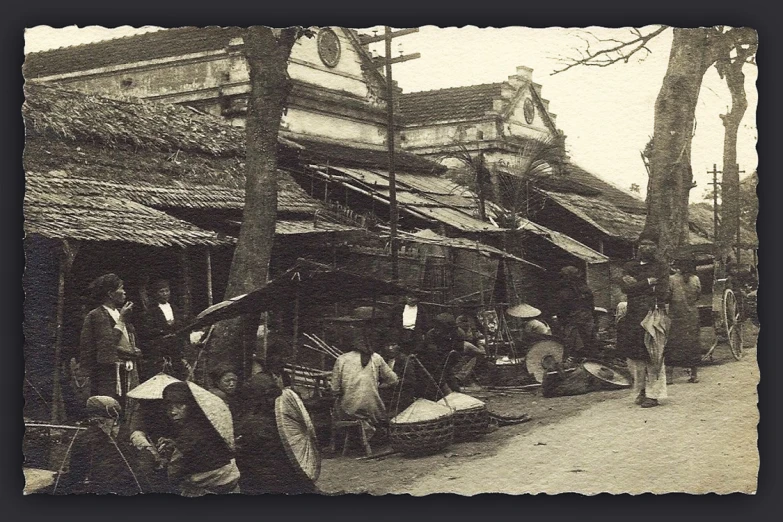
424	427
471	417
422	438
471	424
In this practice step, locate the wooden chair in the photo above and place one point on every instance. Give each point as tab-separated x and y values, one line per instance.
346	425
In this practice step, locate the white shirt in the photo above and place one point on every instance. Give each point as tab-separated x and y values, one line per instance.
115	314
409	314
167	312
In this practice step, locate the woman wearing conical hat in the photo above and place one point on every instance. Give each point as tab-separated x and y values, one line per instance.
201	456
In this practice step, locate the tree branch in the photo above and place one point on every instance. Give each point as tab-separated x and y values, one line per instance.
619	51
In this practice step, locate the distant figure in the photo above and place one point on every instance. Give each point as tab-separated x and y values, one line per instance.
683	348
411	322
107	344
226	385
356	378
575	309
646	283
412	384
442	353
100	463
162	319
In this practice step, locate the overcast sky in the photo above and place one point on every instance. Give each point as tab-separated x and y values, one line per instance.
606	113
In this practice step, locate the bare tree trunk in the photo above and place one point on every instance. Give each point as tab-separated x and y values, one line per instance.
730	187
267	58
671	176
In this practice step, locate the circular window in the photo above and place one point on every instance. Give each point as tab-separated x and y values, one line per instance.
530	111
328	47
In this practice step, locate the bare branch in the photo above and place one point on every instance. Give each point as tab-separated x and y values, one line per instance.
619	51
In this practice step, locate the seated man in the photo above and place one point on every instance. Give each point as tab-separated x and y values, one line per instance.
356	378
100	462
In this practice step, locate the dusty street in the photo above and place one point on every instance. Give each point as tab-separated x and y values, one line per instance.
702	439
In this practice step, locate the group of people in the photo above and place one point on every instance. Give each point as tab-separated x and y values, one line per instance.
177	443
191	441
659	326
114	354
418	357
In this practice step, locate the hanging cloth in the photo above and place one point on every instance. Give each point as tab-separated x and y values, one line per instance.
656	326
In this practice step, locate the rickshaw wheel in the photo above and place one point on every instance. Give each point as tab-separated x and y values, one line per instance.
730	310
735	341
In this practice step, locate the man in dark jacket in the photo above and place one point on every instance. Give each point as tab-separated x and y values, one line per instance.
410	322
107	345
161	352
441	353
646	283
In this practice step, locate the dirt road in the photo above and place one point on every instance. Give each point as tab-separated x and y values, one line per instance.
702	439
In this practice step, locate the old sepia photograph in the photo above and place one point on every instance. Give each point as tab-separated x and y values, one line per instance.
389	260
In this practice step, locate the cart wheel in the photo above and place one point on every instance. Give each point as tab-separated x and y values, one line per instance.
735	341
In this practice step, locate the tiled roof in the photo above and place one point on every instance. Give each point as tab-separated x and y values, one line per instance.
456	103
291	197
130	49
347	155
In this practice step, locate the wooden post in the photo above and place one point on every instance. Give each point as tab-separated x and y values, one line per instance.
186	296
66	262
296	326
57	412
209	277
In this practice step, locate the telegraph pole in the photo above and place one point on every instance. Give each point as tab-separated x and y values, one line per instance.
386	62
715	221
715	184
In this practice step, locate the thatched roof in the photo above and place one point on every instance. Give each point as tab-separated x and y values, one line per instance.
56	212
166	155
702	220
131	124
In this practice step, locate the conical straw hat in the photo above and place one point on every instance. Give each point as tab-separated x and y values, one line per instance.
152	388
298	434
535	356
606	374
216	411
523	311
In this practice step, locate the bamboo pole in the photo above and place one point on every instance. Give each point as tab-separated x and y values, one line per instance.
186	297
209	277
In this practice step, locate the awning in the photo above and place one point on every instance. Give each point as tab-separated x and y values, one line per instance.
429	198
430	237
312	282
564	242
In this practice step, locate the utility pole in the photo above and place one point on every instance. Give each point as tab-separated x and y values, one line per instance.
715	184
715	220
386	62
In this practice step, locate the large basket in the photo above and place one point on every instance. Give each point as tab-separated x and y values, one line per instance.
471	424
471	417
422	438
